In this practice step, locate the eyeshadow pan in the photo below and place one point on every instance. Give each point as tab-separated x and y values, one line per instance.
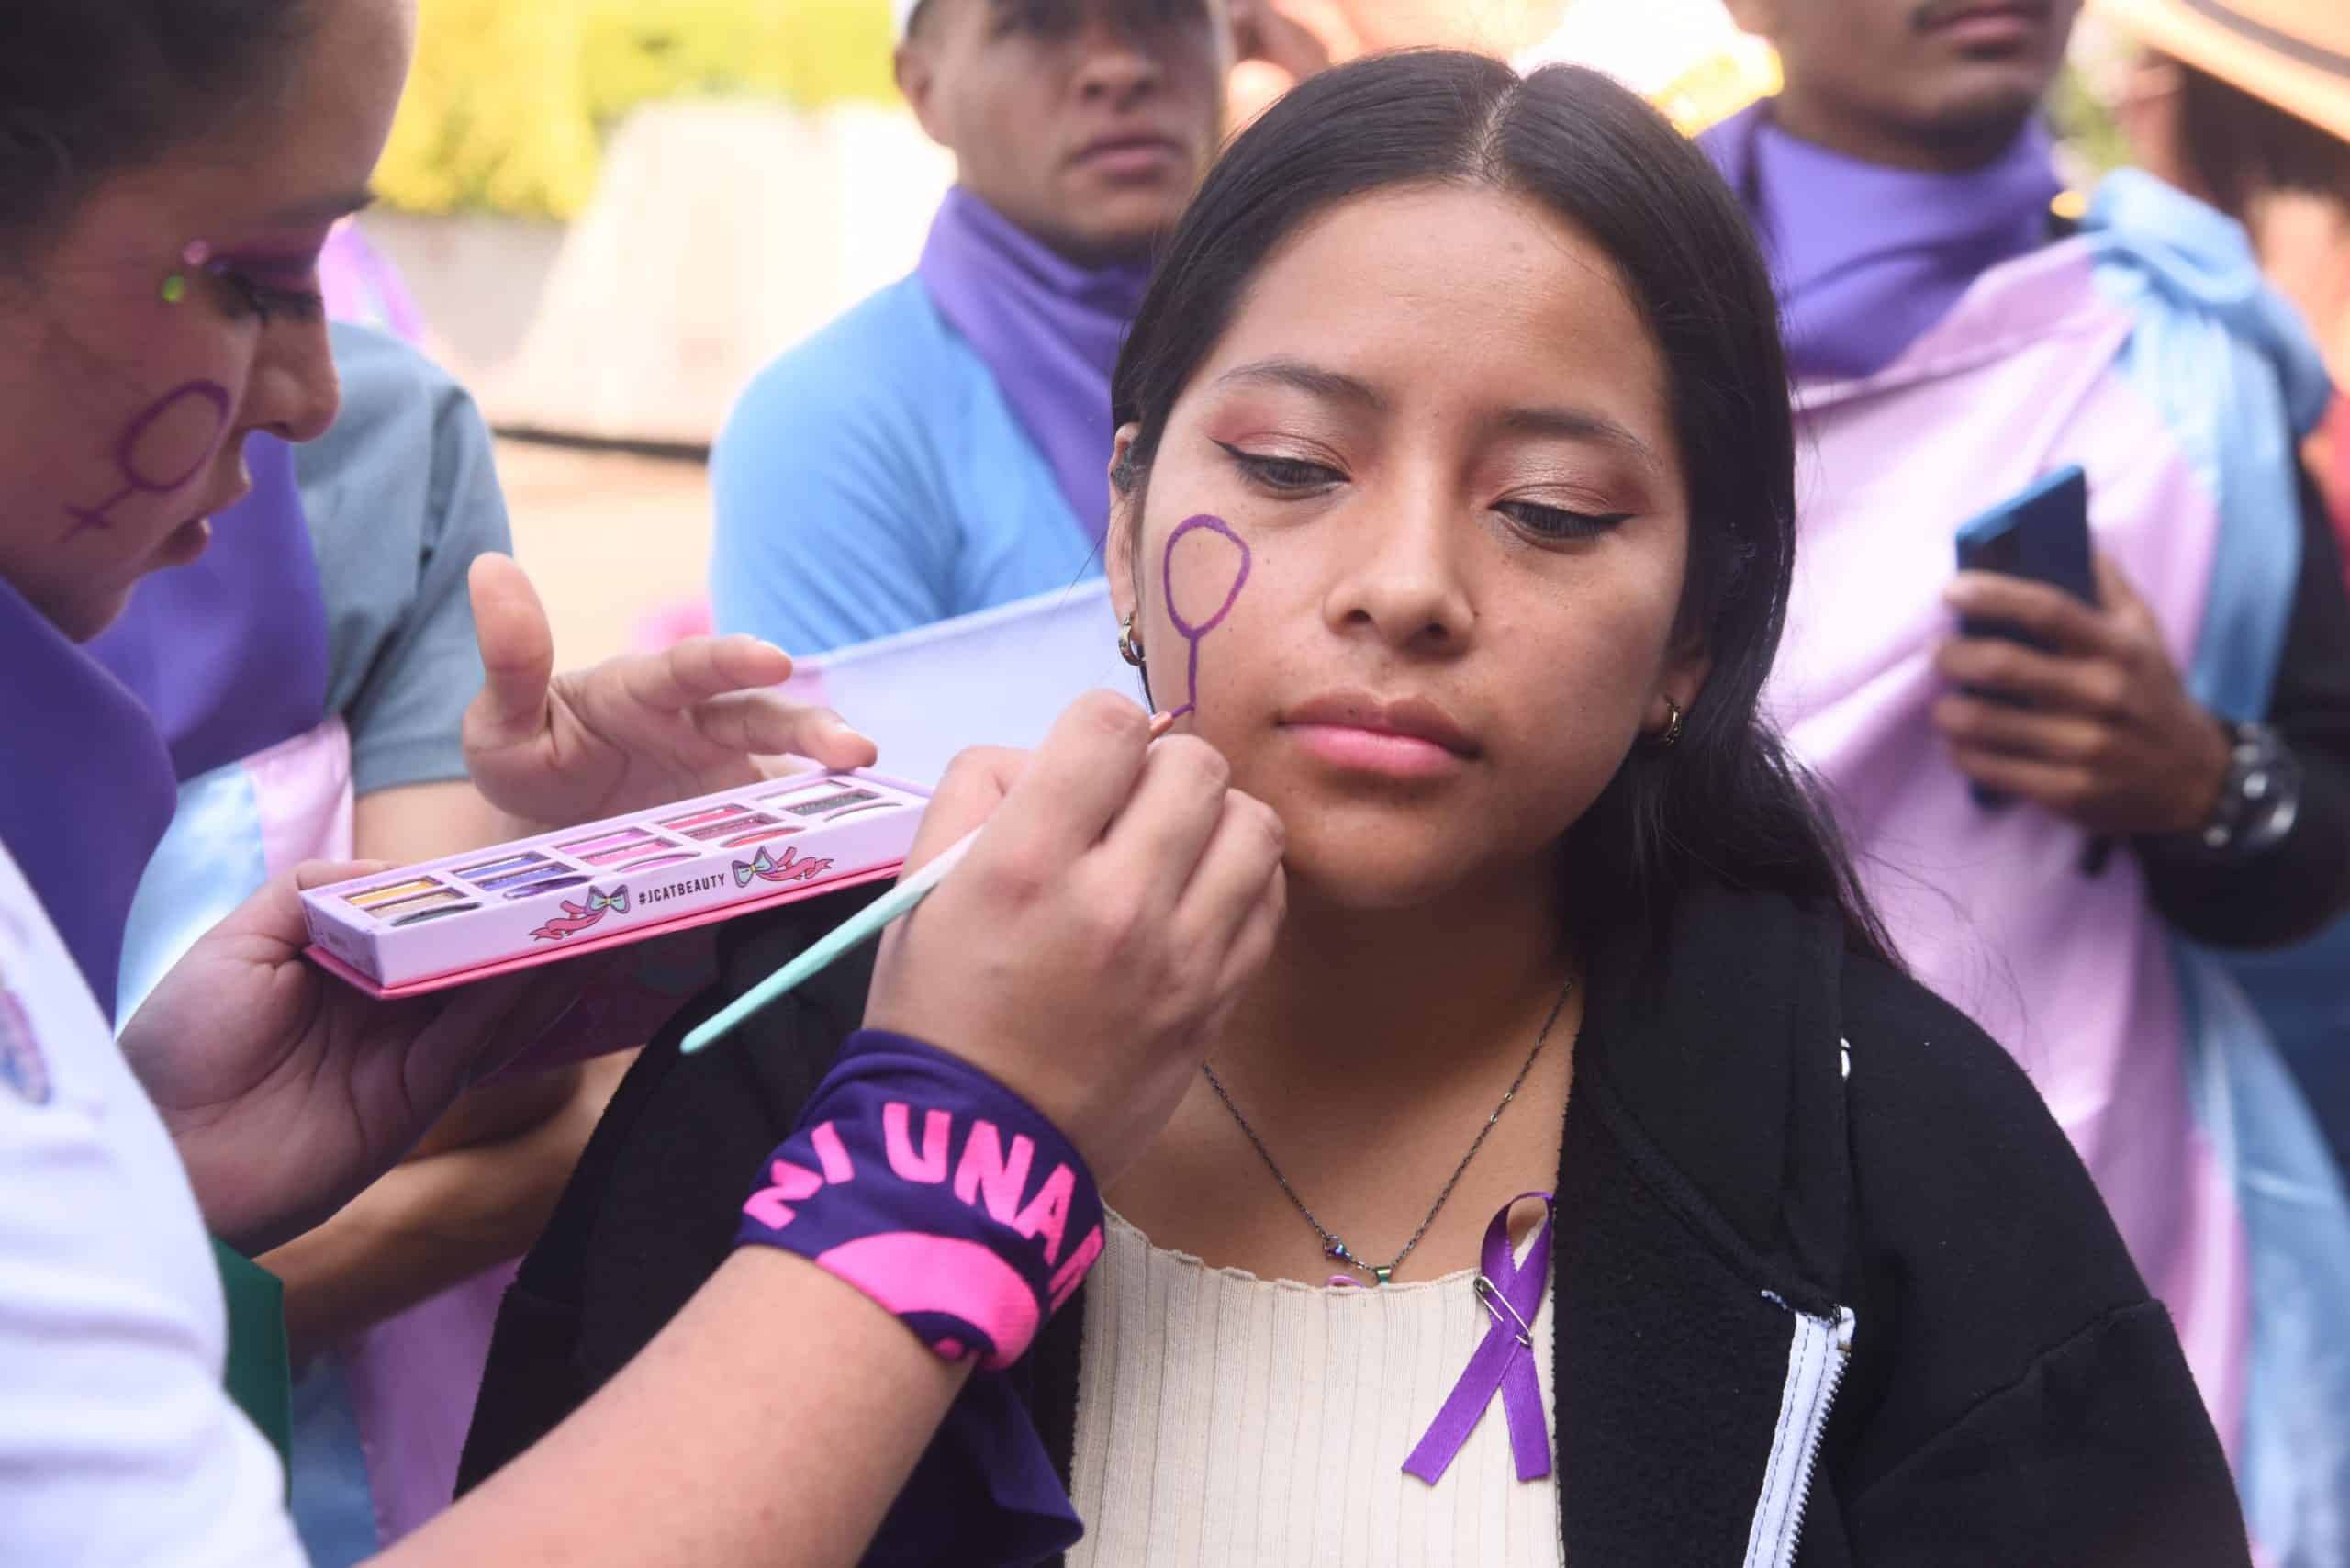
646	845
760	836
696	819
517	879
375	898
794	791
534	889
872	806
491	873
670	859
421	916
731	824
400	908
831	803
587	849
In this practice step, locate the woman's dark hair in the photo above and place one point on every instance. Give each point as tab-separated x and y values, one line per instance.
89	87
1725	804
2240	146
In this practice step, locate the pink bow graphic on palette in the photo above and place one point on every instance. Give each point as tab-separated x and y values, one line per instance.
577	918
768	868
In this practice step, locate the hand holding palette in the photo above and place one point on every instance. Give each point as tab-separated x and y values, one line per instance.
442	924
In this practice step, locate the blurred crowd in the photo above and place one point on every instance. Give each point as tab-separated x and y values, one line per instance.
2100	810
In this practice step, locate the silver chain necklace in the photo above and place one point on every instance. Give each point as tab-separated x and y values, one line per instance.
1334	1248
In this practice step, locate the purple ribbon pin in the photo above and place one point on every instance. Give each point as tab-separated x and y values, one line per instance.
1511	1295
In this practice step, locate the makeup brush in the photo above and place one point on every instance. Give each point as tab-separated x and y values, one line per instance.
850	934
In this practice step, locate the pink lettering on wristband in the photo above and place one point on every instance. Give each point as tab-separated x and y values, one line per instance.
908	1272
937	1194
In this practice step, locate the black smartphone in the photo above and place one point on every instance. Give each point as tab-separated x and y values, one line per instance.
2042	535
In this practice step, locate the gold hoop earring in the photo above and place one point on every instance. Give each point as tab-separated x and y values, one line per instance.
1672	735
1128	649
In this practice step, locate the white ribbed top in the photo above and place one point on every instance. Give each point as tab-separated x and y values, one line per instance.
1225	1421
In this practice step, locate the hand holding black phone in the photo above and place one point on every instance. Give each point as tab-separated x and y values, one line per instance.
2042	535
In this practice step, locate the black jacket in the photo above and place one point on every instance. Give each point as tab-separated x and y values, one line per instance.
1823	1263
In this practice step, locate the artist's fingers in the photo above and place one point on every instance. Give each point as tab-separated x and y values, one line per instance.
766	722
975	785
1078	779
2021	732
1233	906
480	1028
2093	687
697	670
516	646
326	873
1156	840
274	914
2049	614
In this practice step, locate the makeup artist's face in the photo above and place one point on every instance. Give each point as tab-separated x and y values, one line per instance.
1923	83
1440	426
1085	122
123	414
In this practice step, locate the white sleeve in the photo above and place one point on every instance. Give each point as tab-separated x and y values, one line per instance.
120	1448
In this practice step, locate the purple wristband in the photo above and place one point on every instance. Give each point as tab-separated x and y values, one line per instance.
936	1191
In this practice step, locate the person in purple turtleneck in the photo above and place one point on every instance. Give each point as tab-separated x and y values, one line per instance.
944	446
2169	772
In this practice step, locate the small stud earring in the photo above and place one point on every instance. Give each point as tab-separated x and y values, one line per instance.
1672	735
1128	649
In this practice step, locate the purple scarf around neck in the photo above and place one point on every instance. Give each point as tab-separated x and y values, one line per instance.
229	653
1866	258
86	790
1049	329
211	663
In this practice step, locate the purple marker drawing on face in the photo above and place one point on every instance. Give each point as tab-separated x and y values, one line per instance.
1190	634
125	453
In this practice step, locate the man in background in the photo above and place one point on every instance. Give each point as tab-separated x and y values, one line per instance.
943	446
2052	829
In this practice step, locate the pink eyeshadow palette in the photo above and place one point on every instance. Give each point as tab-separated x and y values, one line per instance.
427	927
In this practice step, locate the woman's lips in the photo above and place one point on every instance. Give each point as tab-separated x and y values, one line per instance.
1357	750
1407	738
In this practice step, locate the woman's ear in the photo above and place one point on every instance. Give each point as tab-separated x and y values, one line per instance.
1119	544
1681	682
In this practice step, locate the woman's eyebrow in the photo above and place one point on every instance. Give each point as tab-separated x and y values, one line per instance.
1577	425
1331	385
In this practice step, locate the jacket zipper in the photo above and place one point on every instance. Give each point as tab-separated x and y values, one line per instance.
1816	1362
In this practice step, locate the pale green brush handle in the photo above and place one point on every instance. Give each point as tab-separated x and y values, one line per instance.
858	928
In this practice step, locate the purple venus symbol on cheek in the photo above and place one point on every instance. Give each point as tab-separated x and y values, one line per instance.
207	404
1191	633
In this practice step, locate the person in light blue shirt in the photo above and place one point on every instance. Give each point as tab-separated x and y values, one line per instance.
943	447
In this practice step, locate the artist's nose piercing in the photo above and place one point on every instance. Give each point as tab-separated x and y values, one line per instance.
1128	649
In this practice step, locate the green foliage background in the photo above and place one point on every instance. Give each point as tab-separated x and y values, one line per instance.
510	100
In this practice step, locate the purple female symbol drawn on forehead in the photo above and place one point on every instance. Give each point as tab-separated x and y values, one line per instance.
136	479
1193	633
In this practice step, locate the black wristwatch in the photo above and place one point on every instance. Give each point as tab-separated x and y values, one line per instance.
2261	797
